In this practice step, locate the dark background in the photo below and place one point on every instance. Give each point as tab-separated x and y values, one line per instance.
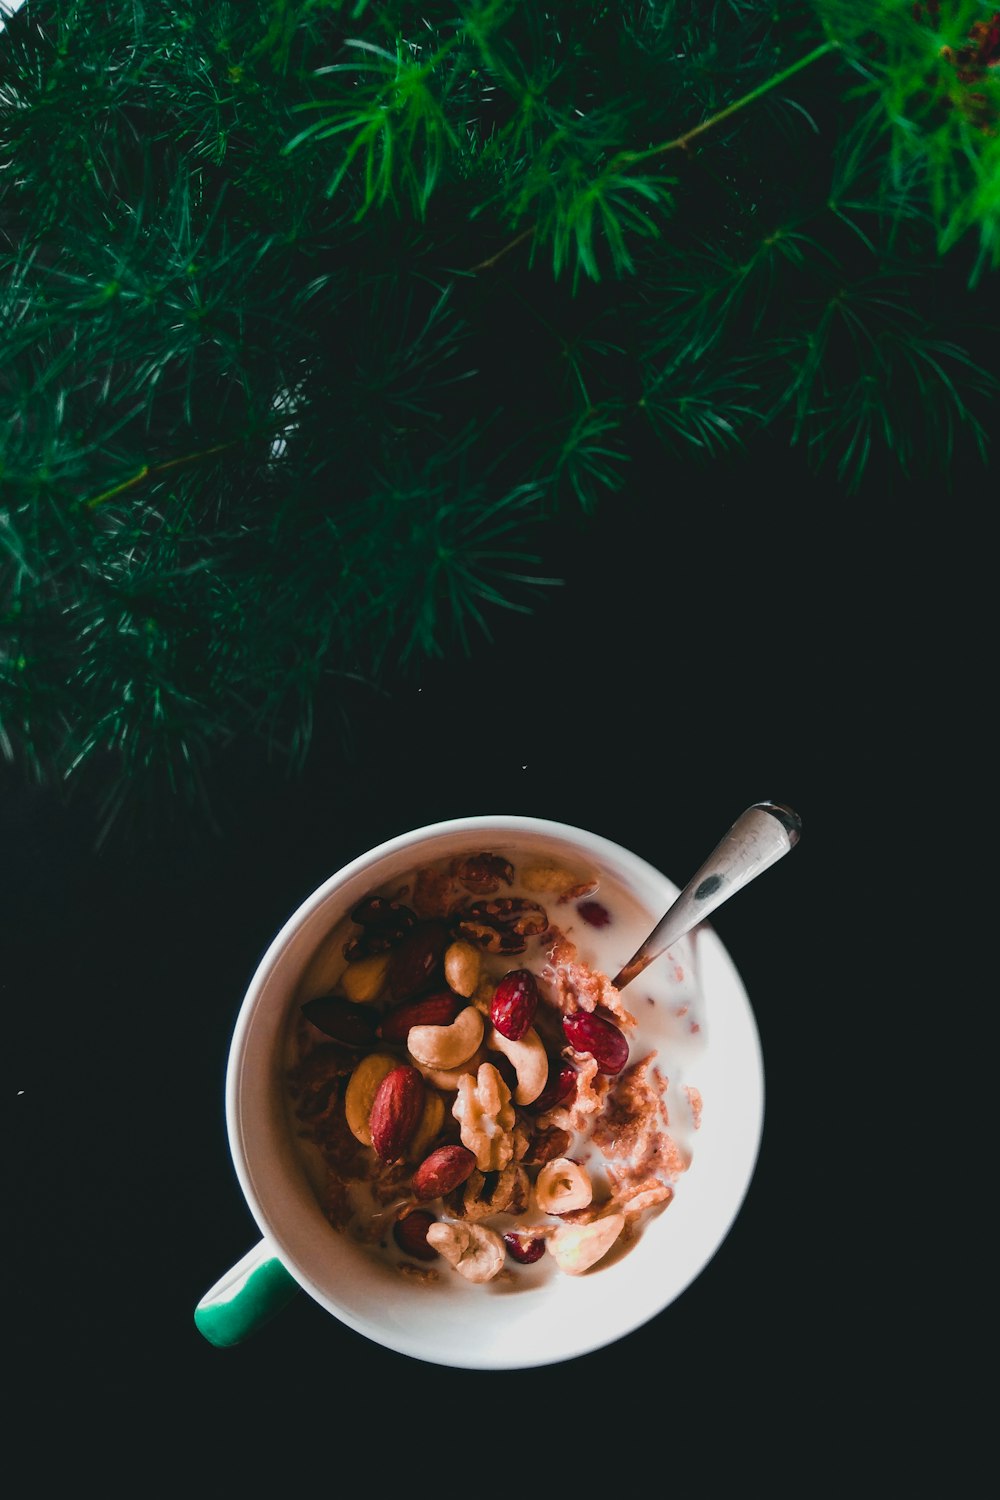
766	638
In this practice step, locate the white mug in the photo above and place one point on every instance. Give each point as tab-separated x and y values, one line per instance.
692	1010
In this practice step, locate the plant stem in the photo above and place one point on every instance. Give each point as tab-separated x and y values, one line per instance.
681	142
484	265
145	472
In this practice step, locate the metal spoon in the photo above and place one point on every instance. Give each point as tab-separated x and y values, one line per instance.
758	838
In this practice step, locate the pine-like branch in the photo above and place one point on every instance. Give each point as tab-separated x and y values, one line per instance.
316	316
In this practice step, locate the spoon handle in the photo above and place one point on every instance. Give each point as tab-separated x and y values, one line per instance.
758	838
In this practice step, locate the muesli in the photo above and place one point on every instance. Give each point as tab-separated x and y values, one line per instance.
472	1088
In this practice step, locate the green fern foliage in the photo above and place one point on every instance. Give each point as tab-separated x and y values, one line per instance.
317	317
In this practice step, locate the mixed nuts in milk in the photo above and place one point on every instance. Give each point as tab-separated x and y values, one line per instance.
471	1089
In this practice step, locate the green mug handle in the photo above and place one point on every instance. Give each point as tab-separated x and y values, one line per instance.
246	1297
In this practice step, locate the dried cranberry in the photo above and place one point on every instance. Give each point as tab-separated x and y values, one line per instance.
606	1043
514	1004
522	1249
560	1084
594	913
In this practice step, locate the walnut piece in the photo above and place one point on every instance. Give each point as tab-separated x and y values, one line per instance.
504	924
484	873
482	1195
486	1118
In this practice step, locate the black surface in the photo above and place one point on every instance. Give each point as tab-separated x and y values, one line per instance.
782	645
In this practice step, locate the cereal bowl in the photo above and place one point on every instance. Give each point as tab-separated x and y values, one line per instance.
576	1200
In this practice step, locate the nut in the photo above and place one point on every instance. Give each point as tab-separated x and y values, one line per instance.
475	1251
486	1194
428	1126
380	914
446	1168
383	923
359	1096
364	980
556	878
503	925
415	961
546	1144
323	970
561	1186
577	1247
483	873
514	1003
486	1117
530	1061
462	967
321	1067
447	1046
436	1009
345	1022
396	1111
607	1045
447	1079
410	1234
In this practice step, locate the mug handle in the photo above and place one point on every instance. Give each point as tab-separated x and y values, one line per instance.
247	1296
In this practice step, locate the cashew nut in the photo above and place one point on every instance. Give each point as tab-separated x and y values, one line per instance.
530	1060
428	1126
557	878
475	1251
446	1046
577	1247
447	1079
324	968
362	1086
364	980
561	1186
462	965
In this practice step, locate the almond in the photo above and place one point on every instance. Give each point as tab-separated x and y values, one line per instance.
446	1168
417	960
396	1111
437	1009
362	1086
346	1022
